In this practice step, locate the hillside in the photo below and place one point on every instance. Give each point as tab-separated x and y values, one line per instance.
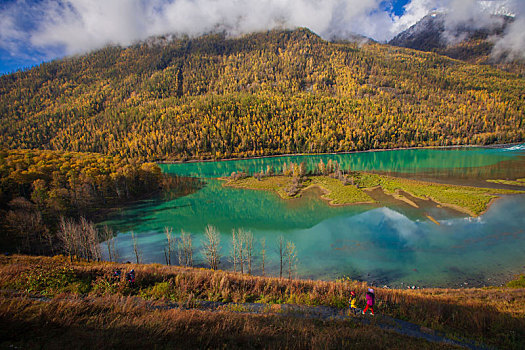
267	93
462	43
55	303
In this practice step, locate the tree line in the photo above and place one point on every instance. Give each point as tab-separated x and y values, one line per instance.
244	251
38	187
81	239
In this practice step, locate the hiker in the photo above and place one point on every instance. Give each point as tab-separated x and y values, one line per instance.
352	301
370	299
130	277
116	275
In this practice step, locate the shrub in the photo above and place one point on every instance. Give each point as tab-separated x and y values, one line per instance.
517	283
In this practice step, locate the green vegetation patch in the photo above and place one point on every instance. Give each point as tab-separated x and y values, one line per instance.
517	283
271	183
339	194
517	182
50	281
472	200
336	192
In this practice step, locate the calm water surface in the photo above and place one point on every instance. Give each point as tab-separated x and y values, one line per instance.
392	243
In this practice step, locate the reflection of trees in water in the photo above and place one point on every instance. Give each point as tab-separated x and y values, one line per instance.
179	186
473	176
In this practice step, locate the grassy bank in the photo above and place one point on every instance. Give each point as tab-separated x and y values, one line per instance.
494	316
128	322
471	200
335	192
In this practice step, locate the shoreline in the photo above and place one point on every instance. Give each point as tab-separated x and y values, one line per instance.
496	145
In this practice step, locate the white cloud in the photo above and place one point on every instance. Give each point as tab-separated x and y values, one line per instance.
513	40
414	11
79	26
82	25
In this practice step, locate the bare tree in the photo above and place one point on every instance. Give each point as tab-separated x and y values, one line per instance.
233	253
66	235
109	239
80	240
263	254
248	245
291	258
241	241
242	250
136	249
168	250
90	240
211	247
185	249
280	242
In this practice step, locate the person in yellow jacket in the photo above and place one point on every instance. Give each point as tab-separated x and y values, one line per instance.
352	301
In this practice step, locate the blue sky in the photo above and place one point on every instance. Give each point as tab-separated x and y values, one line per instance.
33	31
397	7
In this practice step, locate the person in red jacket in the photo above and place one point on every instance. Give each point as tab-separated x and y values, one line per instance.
370	300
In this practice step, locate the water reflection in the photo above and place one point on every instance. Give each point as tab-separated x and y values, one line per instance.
451	161
392	244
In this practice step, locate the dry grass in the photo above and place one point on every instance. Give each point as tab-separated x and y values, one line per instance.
127	322
494	316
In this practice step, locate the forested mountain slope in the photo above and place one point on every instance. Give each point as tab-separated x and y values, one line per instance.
265	93
461	42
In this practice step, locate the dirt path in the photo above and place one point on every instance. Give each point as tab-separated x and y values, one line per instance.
298	311
329	313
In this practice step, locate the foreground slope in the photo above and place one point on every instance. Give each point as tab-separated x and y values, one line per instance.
51	302
266	93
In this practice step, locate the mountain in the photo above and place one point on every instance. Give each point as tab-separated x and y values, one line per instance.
461	42
265	93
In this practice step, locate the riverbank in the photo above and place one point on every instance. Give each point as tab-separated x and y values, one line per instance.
473	201
493	316
497	145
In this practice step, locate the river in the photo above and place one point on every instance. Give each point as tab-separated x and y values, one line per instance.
390	244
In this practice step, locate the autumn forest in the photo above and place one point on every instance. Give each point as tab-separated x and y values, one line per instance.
269	93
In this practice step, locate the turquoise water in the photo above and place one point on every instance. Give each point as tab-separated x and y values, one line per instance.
411	160
393	244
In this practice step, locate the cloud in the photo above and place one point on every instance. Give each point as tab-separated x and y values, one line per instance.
414	11
512	43
471	14
76	26
476	14
82	25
